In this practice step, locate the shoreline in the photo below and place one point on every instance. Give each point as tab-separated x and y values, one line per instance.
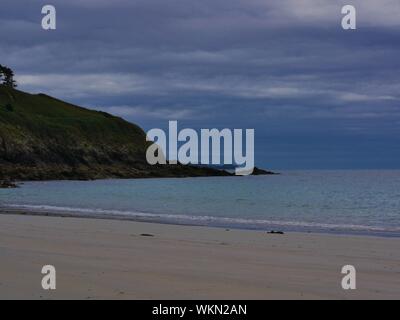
157	219
113	259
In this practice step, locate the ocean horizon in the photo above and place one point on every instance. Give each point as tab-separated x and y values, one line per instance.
324	201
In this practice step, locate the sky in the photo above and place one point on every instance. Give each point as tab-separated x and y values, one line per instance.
318	96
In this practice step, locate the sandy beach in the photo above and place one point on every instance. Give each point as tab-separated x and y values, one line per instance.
109	259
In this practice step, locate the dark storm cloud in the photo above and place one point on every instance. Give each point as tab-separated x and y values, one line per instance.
284	67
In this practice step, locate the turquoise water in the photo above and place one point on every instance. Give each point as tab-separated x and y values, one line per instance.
366	202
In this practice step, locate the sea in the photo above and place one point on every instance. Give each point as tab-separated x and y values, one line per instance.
340	201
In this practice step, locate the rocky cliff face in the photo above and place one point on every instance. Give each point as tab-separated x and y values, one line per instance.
42	138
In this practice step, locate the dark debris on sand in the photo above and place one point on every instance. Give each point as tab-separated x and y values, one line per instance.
276	232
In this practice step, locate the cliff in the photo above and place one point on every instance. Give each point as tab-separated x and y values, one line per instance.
43	138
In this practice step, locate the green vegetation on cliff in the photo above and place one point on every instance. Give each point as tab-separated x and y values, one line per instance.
42	138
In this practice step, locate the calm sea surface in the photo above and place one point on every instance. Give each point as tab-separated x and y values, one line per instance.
366	202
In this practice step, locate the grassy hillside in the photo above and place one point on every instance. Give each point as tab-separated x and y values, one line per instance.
45	138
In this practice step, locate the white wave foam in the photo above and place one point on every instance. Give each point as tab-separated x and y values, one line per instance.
210	220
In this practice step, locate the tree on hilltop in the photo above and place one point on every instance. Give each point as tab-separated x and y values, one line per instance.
7	77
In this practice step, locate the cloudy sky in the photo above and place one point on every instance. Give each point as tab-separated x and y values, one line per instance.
318	96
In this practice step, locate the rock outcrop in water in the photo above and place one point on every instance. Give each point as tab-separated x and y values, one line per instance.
7	184
262	172
43	138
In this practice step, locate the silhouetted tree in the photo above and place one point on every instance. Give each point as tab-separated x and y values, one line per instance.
7	77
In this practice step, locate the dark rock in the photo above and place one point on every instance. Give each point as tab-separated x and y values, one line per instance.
147	235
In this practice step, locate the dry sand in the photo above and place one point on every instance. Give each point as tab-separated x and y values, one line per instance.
108	259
